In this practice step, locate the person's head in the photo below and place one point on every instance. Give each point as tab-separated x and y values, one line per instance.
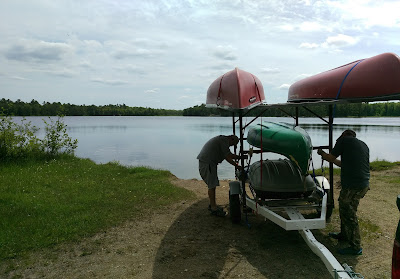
233	140
348	133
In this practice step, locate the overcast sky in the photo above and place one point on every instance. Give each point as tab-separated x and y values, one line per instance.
165	54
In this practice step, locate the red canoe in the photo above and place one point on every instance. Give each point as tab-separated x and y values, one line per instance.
377	77
236	89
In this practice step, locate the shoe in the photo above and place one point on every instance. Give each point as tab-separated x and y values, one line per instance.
350	251
338	236
218	212
218	207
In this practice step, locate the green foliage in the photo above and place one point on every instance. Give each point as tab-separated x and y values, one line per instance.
44	203
56	140
20	108
33	108
383	165
325	171
341	110
19	141
374	166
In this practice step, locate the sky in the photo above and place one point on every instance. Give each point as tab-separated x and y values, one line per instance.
166	53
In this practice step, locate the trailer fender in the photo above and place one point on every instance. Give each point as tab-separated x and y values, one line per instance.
323	182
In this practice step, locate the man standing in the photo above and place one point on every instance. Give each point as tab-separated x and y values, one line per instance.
214	152
354	176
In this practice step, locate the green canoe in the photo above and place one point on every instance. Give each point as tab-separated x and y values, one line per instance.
288	140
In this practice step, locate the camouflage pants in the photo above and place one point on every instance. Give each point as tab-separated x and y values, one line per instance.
348	204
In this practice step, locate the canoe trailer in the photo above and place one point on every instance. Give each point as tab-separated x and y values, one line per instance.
240	92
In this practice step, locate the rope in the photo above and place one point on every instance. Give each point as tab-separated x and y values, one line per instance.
261	157
338	94
219	91
341	85
323	175
258	91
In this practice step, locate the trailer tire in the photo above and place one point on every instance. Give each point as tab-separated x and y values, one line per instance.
329	209
234	208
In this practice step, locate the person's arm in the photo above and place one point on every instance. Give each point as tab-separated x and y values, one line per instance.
330	158
230	158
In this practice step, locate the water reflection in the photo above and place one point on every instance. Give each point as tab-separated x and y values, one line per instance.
173	143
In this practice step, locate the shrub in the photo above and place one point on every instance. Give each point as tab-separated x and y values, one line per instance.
56	140
18	141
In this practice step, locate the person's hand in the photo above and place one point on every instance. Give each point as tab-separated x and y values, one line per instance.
320	152
245	157
238	167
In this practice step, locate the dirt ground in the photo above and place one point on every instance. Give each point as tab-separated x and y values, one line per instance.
185	241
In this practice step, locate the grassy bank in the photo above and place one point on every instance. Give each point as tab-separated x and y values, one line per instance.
46	203
374	166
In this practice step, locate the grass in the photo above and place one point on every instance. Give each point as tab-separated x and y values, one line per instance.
383	165
374	166
46	203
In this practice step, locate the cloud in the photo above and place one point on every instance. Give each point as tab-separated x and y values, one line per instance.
299	77
223	67
309	45
122	50
334	42
131	69
270	70
284	86
27	50
140	52
18	78
309	26
340	40
109	81
63	73
152	91
224	53
85	64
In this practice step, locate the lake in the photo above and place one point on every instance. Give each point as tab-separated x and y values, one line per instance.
172	143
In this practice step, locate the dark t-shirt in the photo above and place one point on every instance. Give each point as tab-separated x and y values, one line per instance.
215	150
354	155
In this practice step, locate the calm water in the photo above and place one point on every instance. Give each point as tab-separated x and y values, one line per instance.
173	143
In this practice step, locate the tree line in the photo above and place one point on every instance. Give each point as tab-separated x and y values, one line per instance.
340	110
34	108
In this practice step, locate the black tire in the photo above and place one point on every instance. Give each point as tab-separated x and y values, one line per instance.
234	208
329	208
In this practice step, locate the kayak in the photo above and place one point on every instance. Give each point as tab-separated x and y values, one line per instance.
377	77
290	141
235	90
279	179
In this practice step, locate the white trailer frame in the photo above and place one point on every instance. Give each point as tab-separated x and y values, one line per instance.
297	221
304	226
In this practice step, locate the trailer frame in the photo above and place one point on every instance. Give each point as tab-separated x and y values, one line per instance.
296	220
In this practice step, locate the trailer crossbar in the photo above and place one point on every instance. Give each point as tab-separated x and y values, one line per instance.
291	224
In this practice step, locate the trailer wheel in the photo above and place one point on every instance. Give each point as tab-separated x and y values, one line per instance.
234	208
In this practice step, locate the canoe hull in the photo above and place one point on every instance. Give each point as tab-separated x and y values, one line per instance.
235	90
291	141
279	179
375	77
